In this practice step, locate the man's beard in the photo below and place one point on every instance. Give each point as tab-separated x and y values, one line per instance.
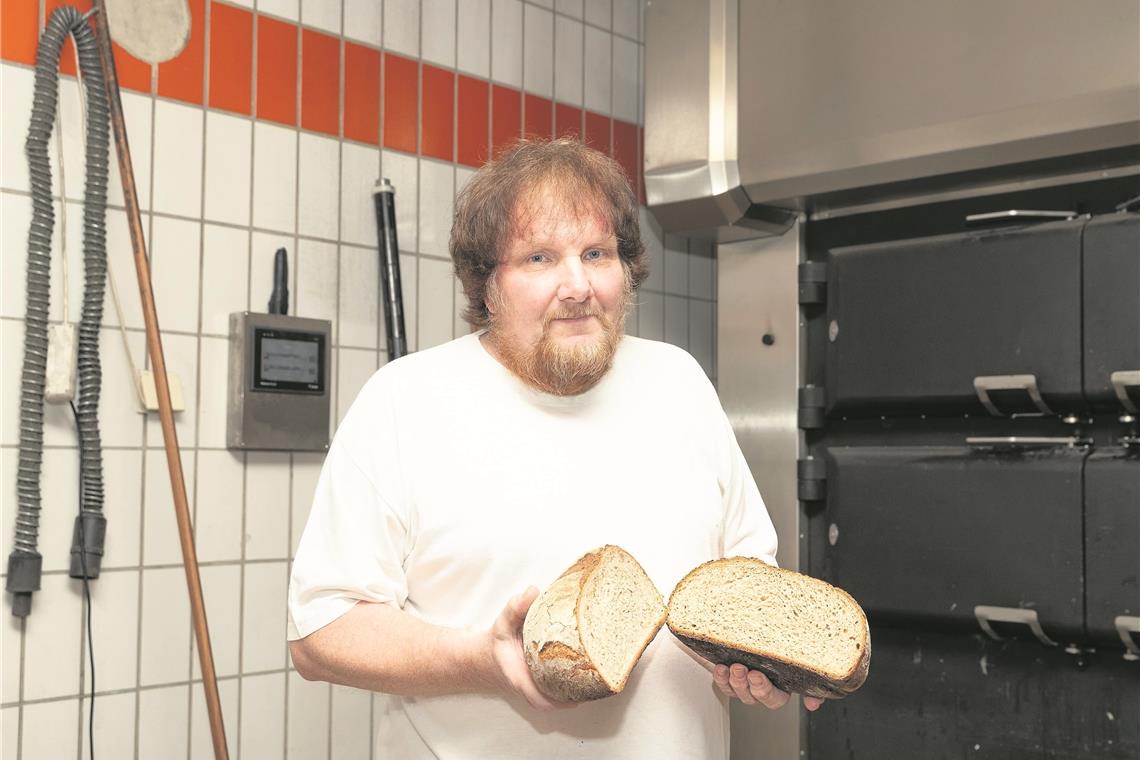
565	370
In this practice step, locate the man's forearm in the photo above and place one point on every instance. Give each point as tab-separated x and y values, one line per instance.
381	648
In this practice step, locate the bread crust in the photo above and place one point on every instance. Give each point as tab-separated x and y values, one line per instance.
552	643
782	672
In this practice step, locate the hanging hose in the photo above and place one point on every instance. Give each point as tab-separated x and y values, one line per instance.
25	562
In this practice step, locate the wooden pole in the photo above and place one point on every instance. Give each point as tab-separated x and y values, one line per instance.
158	364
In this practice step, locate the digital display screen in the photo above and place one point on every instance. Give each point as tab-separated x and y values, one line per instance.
288	361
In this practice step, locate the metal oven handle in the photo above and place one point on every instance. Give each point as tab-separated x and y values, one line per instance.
986	614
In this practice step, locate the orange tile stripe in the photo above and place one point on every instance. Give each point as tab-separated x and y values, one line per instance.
431	125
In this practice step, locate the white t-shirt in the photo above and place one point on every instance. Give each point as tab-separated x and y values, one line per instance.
451	486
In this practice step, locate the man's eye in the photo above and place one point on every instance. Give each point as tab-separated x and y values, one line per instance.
594	255
536	258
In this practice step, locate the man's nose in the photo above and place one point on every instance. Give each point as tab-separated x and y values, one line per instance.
575	283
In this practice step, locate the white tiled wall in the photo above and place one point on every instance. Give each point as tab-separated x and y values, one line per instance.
226	191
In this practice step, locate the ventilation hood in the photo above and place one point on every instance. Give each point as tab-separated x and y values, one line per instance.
760	110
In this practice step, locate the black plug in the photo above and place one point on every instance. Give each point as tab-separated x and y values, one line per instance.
87	540
279	299
24	569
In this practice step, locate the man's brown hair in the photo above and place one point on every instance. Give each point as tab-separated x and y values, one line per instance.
486	218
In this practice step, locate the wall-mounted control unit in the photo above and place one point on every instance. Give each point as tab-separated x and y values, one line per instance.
279	395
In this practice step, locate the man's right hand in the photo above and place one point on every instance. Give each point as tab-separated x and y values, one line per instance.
507	653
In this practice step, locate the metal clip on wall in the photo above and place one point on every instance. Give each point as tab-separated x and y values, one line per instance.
987	615
1011	392
1129	629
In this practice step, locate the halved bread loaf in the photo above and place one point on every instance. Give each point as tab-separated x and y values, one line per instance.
806	635
584	634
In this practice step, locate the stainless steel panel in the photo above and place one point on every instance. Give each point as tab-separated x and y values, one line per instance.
758	384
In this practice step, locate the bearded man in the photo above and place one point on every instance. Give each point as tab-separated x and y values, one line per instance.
465	472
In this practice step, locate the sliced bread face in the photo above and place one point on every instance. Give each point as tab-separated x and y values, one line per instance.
583	636
806	635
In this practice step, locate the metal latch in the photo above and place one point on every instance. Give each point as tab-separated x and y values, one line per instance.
1026	441
811	479
1126	626
1121	382
813	283
1017	214
813	404
986	615
1009	390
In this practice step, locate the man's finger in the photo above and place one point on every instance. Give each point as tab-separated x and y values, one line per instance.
738	680
720	679
812	703
764	692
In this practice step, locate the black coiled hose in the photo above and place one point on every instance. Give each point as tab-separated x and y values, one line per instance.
25	562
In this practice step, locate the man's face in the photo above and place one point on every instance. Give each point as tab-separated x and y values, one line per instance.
559	298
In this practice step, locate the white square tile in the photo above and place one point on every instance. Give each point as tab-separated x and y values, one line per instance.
228	140
437	292
263	616
9	731
363	21
218	506
677	321
626	68
438	19
402	26
114	724
700	269
676	265
162	721
263	716
215	387
114	620
225	276
351	713
569	7
409	275
403	172
122	483
544	3
267	505
626	18
17	85
598	70
309	737
59	484
74	171
654	240
437	201
178	159
316	296
568	60
11	344
181	354
354	368
319	184
306	472
221	592
289	9
650	315
10	627
52	636
701	337
358	324
164	650
538	51
360	168
201	741
321	14
463	175
120	421
49	729
474	43
137	119
262	252
15	221
160	526
274	177
175	263
121	269
506	42
598	13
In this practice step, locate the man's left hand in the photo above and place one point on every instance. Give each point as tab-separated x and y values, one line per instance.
753	687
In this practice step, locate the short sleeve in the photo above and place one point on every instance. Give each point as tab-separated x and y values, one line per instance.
357	536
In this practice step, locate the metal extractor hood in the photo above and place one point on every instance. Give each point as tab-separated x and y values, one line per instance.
758	110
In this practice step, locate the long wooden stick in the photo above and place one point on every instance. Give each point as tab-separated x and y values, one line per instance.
165	410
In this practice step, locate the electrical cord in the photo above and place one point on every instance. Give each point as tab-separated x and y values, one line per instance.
86	593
